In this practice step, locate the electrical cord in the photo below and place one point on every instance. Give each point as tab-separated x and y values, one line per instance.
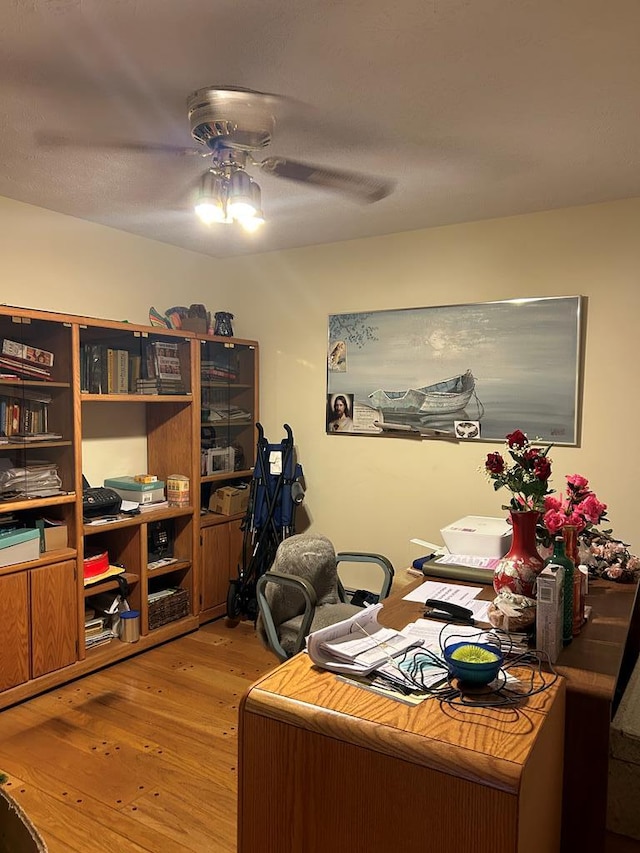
416	676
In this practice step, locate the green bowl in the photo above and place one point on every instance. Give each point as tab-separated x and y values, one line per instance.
473	663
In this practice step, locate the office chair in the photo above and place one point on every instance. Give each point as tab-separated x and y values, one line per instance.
302	591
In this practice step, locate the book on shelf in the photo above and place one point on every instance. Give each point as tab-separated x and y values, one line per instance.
150	507
135	367
161	563
38	436
25	352
100	639
162	362
24	369
23	416
104	370
160	386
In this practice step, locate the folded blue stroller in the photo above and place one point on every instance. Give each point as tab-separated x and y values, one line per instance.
276	492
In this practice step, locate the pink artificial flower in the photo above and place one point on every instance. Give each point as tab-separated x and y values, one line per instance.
550	502
592	509
577	482
575	519
554	521
614	572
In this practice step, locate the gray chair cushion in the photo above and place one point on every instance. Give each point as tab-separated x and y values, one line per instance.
310	556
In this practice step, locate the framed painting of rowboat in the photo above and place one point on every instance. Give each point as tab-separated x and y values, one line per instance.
498	366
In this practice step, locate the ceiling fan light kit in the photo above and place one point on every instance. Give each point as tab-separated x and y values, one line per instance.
228	123
228	194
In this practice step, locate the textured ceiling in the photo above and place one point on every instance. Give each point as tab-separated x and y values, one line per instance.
475	109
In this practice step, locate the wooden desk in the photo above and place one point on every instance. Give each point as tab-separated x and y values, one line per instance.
326	766
596	666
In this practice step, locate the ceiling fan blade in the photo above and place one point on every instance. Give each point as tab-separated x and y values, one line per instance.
361	187
53	140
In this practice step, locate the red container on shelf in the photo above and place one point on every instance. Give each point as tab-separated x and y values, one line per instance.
96	564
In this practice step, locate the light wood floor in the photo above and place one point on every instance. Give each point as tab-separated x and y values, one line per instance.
142	756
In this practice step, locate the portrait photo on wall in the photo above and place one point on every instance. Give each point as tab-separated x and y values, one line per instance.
468	371
339	412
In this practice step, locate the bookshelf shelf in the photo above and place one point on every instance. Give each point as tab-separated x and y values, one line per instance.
226	386
136	398
224	476
31	445
178	566
146	517
31	383
109	584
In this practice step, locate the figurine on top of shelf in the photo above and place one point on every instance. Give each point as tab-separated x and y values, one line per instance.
223	325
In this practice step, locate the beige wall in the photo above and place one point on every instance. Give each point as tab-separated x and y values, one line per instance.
377	493
367	492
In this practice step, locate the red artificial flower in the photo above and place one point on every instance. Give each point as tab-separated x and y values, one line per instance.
494	463
517	439
542	468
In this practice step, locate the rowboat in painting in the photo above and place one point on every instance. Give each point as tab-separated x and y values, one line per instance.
441	398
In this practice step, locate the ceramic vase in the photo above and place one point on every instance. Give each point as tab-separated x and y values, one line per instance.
518	569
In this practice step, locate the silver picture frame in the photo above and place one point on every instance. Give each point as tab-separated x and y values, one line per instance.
500	366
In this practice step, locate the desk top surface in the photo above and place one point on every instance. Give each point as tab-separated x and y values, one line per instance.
494	743
592	661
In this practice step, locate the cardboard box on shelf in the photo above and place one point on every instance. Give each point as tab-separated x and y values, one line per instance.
229	500
55	537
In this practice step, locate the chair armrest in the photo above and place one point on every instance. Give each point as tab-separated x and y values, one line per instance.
378	559
309	595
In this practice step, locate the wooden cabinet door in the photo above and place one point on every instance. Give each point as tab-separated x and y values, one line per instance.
54	624
214	565
14	618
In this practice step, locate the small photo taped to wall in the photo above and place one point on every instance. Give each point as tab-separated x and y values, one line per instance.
339	413
466	429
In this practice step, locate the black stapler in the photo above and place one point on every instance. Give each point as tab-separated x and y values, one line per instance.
445	611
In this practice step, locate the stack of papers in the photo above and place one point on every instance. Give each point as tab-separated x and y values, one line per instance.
368	651
358	644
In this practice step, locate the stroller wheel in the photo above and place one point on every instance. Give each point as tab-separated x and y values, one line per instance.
234	603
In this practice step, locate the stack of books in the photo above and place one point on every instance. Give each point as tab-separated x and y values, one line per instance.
163	370
96	632
21	361
215	369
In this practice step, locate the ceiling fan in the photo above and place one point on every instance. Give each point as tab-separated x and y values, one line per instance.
231	123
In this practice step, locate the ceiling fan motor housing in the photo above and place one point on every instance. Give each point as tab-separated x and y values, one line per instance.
240	118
